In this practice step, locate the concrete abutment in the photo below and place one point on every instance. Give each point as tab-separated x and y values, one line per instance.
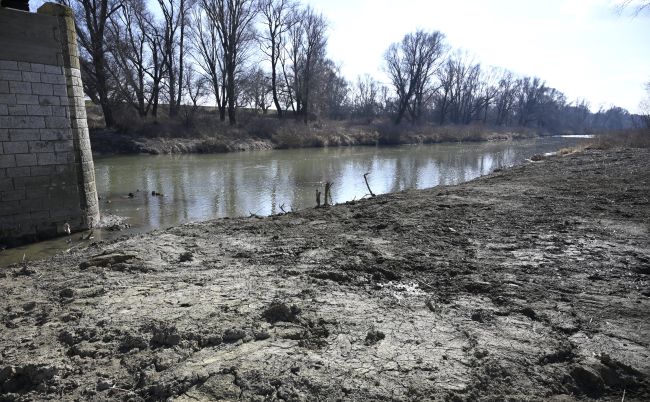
47	176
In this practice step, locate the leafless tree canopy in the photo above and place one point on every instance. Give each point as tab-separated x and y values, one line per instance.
636	5
411	65
270	57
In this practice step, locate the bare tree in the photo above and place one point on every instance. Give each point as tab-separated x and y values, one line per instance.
278	17
130	47
638	6
464	88
645	106
313	55
505	98
366	94
331	94
233	20
196	88
529	99
175	16
208	53
256	89
411	65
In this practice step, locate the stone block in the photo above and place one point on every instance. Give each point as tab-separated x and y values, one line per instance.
24	66
65	213
53	78
7	161
60	111
4	87
11	75
6	184
59	90
64	157
40	170
25	160
13	195
31	77
56	134
48	69
77	92
48	100
57	122
11	208
42	89
39	215
17	110
35	204
8	65
38	110
22	121
41	146
29	182
16	147
79	102
64	169
19	87
4	134
18	172
4	110
35	193
7	99
79	123
24	134
37	68
27	99
63	146
46	158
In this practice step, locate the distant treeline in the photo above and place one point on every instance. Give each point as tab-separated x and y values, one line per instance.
271	56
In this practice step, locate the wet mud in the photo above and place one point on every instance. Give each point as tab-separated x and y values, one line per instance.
531	283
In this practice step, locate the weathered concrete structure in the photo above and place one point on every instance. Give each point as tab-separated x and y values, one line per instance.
47	176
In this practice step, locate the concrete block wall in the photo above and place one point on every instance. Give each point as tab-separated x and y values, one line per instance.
46	169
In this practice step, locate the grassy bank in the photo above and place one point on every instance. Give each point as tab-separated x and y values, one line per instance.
204	133
636	138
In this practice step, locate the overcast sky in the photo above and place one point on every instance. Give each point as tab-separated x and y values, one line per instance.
582	47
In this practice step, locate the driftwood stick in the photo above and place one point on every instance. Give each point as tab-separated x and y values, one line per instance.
317	198
328	194
365	177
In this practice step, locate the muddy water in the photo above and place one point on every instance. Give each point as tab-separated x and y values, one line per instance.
201	187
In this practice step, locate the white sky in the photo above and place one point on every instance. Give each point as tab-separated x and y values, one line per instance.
583	48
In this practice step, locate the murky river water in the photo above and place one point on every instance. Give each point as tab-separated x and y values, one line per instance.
202	187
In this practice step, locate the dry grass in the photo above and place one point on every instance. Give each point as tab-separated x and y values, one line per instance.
291	133
636	138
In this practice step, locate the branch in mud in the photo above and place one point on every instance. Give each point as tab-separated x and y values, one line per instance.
317	198
365	177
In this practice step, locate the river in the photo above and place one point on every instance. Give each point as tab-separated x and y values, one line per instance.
202	187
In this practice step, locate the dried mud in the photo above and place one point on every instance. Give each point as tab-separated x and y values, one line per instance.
528	284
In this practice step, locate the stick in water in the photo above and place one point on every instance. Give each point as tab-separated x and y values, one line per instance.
365	177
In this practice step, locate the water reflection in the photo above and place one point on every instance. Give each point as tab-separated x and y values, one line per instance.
202	187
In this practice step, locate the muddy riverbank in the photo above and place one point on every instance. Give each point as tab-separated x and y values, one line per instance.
530	283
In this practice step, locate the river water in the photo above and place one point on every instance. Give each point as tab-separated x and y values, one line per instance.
202	187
